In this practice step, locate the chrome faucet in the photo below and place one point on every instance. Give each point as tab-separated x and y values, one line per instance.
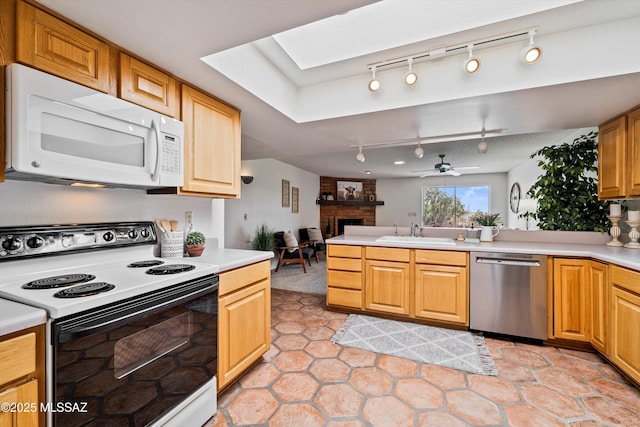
414	229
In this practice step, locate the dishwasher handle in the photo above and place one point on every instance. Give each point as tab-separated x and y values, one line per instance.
509	261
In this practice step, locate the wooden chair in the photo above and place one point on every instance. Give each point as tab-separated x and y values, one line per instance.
292	254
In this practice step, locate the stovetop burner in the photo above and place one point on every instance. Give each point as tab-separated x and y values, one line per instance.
85	290
170	269
59	281
146	263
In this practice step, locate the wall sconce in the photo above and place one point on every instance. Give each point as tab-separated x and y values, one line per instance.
247	179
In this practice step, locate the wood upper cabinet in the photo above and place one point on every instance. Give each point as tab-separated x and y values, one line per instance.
51	45
244	319
599	322
619	157
22	376
212	146
147	86
571	299
624	349
442	290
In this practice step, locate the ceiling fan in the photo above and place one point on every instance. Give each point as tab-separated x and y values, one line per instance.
444	168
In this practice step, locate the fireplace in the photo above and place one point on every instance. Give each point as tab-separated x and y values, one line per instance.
348	221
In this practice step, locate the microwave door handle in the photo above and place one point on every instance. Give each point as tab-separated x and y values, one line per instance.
156	171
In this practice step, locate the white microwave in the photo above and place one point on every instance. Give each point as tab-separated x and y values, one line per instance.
64	133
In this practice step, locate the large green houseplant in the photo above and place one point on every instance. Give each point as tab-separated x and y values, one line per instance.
263	239
567	192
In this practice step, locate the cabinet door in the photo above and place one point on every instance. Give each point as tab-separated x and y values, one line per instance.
571	299
599	306
51	45
442	293
633	150
26	395
387	286
612	159
149	87
244	319
212	146
624	350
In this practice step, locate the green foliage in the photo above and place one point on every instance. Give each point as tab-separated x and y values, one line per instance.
195	238
486	219
439	208
567	192
263	239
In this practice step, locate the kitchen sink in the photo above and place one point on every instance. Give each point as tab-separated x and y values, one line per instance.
417	240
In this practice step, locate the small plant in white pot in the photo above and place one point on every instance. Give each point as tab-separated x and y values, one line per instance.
195	243
487	223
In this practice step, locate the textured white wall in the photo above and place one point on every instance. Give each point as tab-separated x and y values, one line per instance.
262	202
31	203
402	197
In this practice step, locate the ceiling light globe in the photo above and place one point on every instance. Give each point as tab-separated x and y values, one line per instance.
471	65
410	78
419	152
360	157
531	54
483	147
374	85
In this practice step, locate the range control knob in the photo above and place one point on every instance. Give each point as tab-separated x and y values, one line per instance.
35	242
133	234
12	244
144	232
108	236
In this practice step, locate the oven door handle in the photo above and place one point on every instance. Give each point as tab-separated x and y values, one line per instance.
123	312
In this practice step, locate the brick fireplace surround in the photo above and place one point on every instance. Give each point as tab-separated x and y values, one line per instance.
330	214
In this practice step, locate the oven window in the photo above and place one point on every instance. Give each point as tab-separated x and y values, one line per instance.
133	374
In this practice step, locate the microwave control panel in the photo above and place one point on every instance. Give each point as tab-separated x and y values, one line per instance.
170	146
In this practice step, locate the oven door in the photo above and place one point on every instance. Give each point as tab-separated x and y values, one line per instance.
132	362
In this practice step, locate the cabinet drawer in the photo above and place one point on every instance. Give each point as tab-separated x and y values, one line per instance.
344	279
441	257
625	278
344	297
243	276
17	357
345	251
387	254
349	264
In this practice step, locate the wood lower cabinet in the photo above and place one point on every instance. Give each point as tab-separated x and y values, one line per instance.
442	286
624	349
599	322
571	299
145	85
211	146
22	377
387	287
244	320
344	276
51	45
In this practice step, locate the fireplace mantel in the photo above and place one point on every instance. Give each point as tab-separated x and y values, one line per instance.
349	202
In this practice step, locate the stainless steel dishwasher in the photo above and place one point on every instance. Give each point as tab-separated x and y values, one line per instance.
508	294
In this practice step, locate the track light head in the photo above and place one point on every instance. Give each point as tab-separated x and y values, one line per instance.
360	156
411	77
471	64
532	53
483	147
419	152
374	84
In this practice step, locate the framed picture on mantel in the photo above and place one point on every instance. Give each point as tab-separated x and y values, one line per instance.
350	190
285	193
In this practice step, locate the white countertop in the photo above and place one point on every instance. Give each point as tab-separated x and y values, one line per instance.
227	259
621	256
15	316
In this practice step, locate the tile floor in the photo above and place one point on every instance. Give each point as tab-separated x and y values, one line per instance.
304	380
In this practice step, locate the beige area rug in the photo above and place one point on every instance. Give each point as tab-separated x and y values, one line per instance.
455	349
292	278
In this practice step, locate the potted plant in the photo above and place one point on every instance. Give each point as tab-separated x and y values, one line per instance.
263	239
487	222
195	243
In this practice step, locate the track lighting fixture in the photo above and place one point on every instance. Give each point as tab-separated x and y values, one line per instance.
483	147
360	156
471	64
410	78
532	53
374	84
419	152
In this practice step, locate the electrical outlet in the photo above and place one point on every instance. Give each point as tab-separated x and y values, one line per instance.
188	218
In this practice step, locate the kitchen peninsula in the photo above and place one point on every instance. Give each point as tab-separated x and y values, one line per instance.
591	287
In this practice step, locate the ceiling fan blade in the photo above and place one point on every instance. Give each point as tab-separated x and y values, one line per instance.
429	174
452	173
466	167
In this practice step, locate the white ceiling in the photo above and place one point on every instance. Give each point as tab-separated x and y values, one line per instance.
590	71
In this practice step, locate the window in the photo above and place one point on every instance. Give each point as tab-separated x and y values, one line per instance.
452	206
